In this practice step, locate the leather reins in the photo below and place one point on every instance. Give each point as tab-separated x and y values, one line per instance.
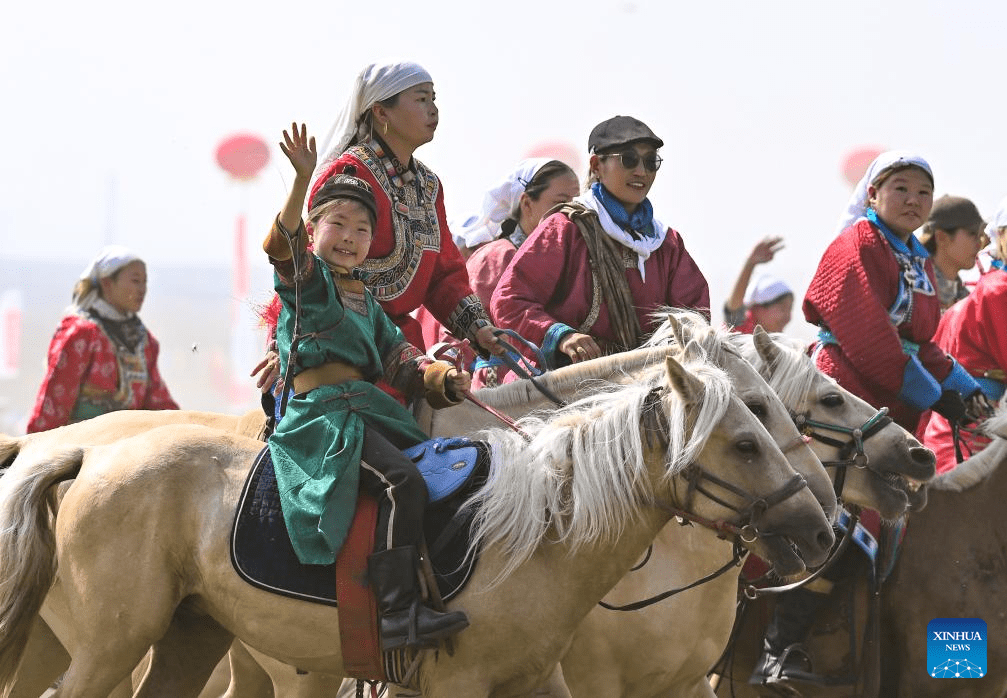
851	454
744	529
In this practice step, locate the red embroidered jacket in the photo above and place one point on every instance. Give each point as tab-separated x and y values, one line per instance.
857	281
88	375
974	332
413	260
549	281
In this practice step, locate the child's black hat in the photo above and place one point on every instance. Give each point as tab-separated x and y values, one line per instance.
346	186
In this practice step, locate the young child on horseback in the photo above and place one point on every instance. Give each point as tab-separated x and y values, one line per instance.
334	342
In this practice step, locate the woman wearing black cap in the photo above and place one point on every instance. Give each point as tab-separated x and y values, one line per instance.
587	279
953	235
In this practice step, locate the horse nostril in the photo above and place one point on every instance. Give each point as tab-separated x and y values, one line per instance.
923	456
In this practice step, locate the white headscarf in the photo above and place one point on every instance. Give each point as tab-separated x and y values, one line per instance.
857	206
766	288
997	221
376	82
108	262
498	203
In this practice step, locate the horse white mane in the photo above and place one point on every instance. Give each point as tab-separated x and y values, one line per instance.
583	476
791	376
980	466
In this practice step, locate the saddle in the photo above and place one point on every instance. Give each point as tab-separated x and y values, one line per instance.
844	639
263	556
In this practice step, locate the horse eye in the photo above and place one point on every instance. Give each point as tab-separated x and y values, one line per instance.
832	400
747	448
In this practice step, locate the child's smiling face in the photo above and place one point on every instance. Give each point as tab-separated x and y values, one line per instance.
342	236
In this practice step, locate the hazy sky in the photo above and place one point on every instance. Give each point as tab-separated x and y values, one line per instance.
113	110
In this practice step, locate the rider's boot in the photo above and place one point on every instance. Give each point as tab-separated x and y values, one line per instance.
405	620
784	656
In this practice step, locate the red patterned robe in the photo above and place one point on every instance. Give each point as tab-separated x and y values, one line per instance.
413	261
485	266
974	331
548	285
857	281
90	374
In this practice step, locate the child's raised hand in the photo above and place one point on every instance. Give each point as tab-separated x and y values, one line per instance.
459	382
300	150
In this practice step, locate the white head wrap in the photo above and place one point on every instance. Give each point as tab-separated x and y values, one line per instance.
997	221
108	262
498	203
375	83
857	206
766	288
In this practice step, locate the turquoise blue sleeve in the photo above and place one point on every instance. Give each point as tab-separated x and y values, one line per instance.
553	336
960	381
919	388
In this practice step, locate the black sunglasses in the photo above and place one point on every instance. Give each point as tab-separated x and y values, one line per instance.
630	159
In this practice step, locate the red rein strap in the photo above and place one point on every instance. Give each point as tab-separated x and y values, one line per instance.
458	348
499	415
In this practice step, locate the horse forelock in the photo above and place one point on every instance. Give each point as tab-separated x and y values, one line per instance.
791	375
583	477
693	326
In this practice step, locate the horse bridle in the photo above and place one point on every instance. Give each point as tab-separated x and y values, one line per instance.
851	454
753	508
742	531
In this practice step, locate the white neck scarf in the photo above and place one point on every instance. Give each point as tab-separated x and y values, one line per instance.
109	311
643	247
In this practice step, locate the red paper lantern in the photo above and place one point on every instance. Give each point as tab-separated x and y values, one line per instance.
243	155
556	150
857	161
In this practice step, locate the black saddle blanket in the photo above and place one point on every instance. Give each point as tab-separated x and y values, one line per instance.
263	556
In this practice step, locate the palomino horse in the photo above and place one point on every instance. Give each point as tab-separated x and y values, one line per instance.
143	531
952	565
757	396
45	658
635	653
641	653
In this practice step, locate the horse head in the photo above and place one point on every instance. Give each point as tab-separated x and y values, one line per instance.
685	328
882	464
730	472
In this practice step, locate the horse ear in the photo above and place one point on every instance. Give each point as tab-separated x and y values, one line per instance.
693	352
677	329
689	388
765	346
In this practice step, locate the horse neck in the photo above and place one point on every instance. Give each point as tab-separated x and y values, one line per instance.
584	575
986	468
